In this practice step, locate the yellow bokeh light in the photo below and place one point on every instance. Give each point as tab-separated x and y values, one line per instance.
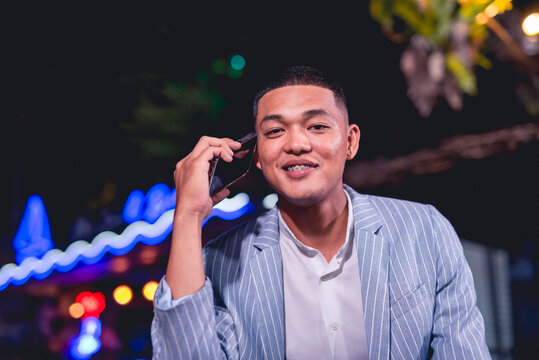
122	294
481	18
491	10
76	310
530	25
149	290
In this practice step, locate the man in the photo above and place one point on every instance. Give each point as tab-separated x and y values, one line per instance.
328	273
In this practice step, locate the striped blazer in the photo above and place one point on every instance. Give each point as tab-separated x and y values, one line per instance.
418	295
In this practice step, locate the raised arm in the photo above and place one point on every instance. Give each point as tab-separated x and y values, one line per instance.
184	324
185	270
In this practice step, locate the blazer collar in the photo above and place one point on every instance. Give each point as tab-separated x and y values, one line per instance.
268	233
366	218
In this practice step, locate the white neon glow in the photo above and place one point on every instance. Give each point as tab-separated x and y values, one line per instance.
270	201
233	204
108	241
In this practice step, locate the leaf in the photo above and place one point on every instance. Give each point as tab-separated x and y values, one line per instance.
464	76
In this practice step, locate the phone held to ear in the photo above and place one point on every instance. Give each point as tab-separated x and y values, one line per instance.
223	174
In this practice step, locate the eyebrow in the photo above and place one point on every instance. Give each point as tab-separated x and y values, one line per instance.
306	114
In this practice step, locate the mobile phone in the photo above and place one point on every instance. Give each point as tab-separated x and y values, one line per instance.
222	174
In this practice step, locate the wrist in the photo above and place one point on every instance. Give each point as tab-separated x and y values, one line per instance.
188	216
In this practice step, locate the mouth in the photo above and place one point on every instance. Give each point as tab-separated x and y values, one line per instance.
297	167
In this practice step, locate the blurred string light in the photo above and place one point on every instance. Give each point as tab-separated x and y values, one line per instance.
122	294
148	290
530	25
87	342
117	244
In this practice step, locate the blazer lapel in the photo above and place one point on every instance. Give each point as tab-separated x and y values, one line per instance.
373	259
267	275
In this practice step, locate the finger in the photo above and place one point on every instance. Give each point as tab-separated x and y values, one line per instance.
207	141
213	152
219	196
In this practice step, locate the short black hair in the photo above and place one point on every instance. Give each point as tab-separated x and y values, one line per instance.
303	75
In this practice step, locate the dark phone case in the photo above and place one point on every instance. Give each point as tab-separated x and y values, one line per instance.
216	182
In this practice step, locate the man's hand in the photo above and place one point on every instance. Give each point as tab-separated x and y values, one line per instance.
191	176
185	271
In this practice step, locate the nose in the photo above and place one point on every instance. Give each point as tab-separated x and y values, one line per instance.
297	142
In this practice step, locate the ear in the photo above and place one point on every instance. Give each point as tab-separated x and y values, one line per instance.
353	141
256	159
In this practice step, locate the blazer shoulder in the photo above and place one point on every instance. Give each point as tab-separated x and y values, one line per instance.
405	209
235	238
407	219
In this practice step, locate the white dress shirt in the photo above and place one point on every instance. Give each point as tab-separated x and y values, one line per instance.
322	301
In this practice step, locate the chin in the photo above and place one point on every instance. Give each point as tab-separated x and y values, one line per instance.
300	197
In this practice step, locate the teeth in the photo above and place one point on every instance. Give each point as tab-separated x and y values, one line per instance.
298	167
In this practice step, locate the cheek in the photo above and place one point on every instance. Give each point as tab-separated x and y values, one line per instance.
332	146
264	156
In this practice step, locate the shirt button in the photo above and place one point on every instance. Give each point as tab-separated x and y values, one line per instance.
334	326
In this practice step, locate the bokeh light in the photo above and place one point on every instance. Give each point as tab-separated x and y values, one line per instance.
219	66
148	255
120	265
237	62
93	304
122	294
149	290
492	10
76	310
530	25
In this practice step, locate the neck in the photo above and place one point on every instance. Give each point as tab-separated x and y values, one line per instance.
321	226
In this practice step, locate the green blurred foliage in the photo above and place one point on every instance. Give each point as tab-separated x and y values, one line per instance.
167	111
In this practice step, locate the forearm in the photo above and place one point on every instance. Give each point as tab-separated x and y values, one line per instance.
186	330
185	270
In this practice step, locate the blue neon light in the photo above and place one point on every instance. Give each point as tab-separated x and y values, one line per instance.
87	342
132	206
33	238
150	206
108	241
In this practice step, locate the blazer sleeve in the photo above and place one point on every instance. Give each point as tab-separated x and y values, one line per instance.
192	327
458	328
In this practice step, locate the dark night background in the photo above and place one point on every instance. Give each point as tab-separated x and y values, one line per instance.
74	74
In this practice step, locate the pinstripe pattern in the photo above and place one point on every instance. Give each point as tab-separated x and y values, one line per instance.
417	291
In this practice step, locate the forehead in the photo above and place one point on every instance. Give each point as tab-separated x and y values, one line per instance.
296	99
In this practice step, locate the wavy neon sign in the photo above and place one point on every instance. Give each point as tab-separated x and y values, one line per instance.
108	241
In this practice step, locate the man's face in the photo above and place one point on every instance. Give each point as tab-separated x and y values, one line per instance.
304	141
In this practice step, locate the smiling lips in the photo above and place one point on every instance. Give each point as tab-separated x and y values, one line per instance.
299	168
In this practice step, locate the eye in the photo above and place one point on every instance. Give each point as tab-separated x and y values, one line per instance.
318	127
273	132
